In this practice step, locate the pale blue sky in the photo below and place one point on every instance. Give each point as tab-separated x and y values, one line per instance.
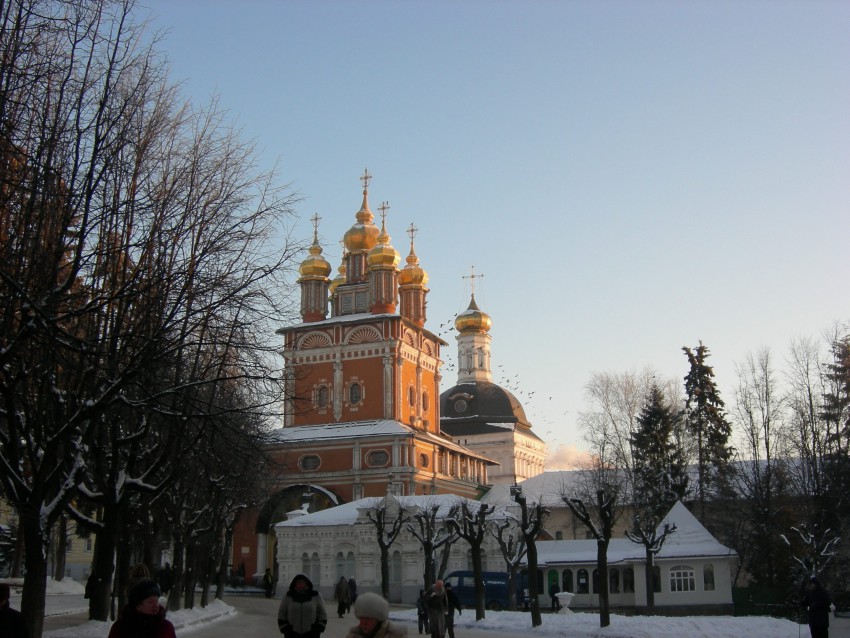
630	177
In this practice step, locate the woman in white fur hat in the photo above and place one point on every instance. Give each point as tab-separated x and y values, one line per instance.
373	612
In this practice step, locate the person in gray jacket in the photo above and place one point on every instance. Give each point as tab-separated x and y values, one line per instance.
302	611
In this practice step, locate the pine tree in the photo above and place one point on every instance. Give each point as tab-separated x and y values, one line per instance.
706	420
660	473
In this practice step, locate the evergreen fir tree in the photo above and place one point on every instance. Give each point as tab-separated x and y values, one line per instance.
706	420
660	473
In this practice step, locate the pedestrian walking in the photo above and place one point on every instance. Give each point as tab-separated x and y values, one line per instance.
352	592
373	613
142	616
302	611
268	582
12	623
453	603
438	607
342	597
422	612
165	577
818	603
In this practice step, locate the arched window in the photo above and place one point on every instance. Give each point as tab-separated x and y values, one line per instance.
411	396
322	396
582	582
315	572
656	579
340	566
567	581
682	578
355	393
708	577
595	581
395	570
628	580
614	581
351	565
425	401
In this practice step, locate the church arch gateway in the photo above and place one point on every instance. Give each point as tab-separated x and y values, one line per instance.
292	500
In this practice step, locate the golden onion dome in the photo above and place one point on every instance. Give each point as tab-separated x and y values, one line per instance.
364	234
339	279
473	319
413	274
383	254
315	265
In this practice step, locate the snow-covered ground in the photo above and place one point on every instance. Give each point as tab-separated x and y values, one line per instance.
65	597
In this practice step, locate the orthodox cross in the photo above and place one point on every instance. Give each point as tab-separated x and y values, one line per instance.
411	231
472	277
315	219
365	178
383	208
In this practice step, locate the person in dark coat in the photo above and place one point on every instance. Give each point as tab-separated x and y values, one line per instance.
438	607
343	600
268	582
818	603
165	578
352	592
453	603
422	612
142	617
302	611
12	623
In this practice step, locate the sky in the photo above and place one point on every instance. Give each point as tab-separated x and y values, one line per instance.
629	177
66	598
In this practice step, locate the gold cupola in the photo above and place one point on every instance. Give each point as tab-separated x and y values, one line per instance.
315	266
473	319
363	235
413	274
340	278
383	254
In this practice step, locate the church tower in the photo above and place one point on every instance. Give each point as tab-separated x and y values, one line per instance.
482	415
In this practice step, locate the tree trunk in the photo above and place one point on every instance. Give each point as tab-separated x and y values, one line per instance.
35	579
385	572
99	586
175	598
61	548
602	568
650	585
533	593
479	581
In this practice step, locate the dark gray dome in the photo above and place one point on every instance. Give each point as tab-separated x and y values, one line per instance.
481	402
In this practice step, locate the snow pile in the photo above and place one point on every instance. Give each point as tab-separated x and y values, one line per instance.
586	625
183	620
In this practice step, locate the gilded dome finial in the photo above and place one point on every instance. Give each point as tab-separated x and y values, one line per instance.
363	235
412	273
473	319
315	265
383	254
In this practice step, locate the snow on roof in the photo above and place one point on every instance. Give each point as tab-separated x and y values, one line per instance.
348	513
546	488
690	540
305	434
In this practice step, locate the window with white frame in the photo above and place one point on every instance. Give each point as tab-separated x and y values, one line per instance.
682	578
708	577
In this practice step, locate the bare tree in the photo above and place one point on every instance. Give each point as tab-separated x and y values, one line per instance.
652	540
615	401
531	524
602	533
511	541
433	533
762	481
472	527
388	517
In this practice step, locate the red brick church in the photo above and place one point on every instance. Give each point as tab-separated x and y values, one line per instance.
363	381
